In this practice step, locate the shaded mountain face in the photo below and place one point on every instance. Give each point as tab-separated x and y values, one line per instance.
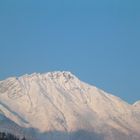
58	106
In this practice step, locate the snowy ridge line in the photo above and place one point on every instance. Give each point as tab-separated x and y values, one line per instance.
56	105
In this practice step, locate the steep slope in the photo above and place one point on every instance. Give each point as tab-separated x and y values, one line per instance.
58	106
8	126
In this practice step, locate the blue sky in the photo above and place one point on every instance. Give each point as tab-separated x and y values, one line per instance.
97	40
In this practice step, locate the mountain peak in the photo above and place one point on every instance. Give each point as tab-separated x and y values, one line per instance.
61	74
53	75
59	102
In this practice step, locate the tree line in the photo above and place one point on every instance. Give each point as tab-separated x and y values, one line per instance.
8	136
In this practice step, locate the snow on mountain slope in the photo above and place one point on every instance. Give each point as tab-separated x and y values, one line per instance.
58	106
137	104
8	126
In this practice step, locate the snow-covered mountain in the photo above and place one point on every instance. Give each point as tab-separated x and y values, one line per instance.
58	106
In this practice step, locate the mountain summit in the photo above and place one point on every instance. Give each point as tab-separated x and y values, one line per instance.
58	106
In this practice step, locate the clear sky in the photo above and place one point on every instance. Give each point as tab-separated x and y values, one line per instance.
97	40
